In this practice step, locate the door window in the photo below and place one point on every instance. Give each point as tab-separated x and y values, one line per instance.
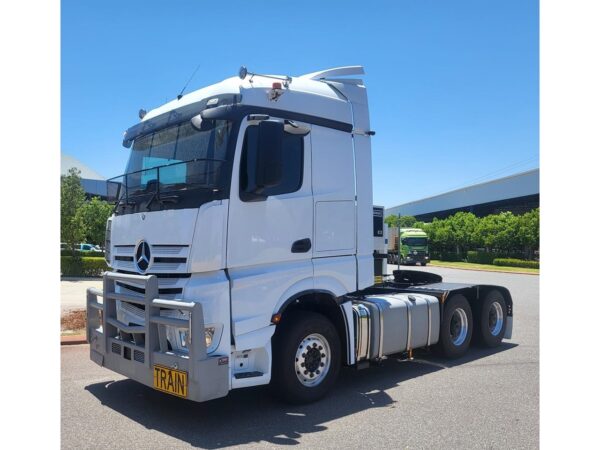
292	164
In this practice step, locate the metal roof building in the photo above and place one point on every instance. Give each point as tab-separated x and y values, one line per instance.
93	183
517	193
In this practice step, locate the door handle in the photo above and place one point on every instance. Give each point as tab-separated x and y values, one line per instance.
301	246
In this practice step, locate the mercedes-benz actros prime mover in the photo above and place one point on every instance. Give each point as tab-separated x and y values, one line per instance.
242	242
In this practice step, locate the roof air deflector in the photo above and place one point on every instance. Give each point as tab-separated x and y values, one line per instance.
335	72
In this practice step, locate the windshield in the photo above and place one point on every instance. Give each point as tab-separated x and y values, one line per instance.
174	161
414	241
193	157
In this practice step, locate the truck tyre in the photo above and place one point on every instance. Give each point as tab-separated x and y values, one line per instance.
492	319
456	328
306	357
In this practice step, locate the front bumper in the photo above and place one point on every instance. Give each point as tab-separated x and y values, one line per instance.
418	258
208	376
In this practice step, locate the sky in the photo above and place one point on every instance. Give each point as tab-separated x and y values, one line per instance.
452	84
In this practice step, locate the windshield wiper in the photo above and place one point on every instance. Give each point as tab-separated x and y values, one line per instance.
162	199
124	203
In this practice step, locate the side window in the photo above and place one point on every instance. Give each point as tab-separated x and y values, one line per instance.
292	164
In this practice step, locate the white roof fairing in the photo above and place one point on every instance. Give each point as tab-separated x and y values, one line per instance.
309	94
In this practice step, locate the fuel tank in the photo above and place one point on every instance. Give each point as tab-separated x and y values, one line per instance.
394	323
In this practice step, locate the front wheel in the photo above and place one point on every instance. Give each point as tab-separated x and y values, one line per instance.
457	327
306	357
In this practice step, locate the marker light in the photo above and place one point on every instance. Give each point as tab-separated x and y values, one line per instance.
276	318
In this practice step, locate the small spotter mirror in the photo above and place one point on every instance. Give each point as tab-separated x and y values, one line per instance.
197	122
201	123
243	72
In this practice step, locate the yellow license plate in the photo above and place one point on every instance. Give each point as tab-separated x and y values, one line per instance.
172	381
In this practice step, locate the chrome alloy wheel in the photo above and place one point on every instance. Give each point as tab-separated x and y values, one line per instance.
495	319
459	327
313	359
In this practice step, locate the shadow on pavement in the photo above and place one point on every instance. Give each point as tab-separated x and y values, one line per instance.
252	415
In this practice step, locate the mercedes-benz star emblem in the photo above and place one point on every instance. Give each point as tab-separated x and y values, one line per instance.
142	256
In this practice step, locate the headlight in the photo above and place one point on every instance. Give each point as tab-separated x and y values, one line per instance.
209	333
180	338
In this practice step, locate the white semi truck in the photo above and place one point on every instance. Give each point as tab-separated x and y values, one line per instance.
242	248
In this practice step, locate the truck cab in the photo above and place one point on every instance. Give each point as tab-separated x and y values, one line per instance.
414	246
242	224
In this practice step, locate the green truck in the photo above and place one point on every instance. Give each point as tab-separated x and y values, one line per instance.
413	246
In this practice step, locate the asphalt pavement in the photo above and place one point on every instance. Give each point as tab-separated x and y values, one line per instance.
488	399
73	292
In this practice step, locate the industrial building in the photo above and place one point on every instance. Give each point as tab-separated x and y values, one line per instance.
93	183
517	193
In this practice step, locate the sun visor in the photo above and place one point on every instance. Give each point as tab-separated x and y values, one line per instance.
176	116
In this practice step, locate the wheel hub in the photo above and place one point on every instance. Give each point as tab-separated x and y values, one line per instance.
313	359
459	326
495	319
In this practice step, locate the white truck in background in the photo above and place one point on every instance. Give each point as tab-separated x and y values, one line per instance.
242	248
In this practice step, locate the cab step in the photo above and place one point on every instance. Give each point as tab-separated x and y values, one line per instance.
241	375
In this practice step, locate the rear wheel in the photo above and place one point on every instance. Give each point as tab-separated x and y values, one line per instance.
492	319
423	264
457	327
306	357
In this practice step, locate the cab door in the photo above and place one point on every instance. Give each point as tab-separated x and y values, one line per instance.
270	239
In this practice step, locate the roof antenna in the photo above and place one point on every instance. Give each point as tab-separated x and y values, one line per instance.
188	82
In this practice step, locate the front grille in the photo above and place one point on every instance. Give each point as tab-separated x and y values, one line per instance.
165	258
169	287
139	290
137	310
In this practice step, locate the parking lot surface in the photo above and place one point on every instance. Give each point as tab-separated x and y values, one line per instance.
488	399
73	292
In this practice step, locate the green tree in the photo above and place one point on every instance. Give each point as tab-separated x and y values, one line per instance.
400	221
72	197
407	221
528	232
499	231
92	217
391	221
440	235
463	226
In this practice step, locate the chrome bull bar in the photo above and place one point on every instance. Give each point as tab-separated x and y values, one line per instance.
136	359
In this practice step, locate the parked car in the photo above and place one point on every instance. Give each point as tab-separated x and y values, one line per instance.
89	248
